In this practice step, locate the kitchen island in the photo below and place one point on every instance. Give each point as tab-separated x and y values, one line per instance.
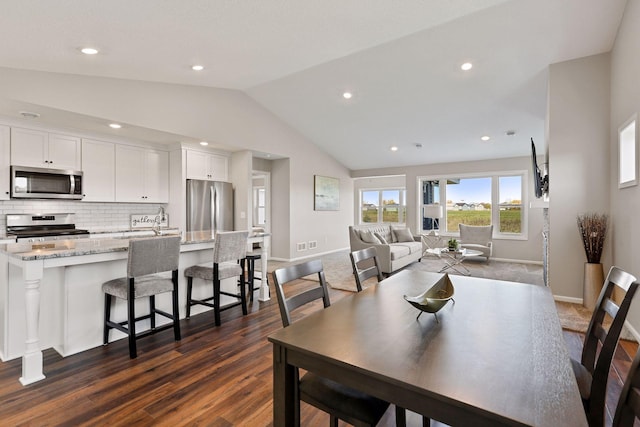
51	293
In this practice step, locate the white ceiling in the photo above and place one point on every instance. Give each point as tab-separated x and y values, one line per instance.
401	60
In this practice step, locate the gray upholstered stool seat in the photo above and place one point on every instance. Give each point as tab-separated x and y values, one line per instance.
145	286
205	271
146	258
229	251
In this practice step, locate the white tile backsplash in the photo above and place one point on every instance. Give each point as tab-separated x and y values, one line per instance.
90	216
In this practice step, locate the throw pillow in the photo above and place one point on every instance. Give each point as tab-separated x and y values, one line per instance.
403	234
381	238
368	237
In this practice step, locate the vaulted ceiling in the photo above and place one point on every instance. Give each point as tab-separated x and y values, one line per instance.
400	60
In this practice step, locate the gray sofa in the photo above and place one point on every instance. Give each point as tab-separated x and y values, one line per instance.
393	254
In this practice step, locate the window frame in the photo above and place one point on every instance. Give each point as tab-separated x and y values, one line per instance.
495	202
401	203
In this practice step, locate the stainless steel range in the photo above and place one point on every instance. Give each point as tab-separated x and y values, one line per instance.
43	227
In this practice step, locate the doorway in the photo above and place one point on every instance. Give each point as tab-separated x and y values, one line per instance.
261	196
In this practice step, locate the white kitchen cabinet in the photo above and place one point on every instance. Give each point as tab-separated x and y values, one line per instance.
99	171
207	166
36	148
5	183
142	175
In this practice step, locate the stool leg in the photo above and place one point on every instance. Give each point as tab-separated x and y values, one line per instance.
107	317
152	311
176	308
251	272
216	301
133	353
243	293
189	289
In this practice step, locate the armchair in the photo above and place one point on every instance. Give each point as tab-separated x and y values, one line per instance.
477	237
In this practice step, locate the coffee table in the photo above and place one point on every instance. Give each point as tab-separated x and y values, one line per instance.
453	259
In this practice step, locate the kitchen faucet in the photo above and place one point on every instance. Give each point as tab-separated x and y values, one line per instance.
160	218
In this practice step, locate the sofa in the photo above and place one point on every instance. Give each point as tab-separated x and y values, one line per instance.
396	247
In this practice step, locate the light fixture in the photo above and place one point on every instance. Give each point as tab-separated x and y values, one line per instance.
197	67
466	66
204	143
89	50
347	95
115	125
433	212
485	138
394	148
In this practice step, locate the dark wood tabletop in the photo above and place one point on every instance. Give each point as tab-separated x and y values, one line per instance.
497	356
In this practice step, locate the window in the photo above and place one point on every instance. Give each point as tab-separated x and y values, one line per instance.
383	206
474	200
627	156
259	203
510	196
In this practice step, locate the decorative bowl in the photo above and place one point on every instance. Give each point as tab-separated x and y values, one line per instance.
434	298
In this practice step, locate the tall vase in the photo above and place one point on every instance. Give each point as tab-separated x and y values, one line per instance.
593	281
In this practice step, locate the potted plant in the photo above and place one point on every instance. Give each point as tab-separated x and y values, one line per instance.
453	244
593	230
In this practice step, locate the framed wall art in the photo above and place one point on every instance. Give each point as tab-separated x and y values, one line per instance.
326	193
628	153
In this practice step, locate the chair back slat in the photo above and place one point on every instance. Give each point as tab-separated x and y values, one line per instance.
285	275
597	359
365	265
153	255
229	246
628	408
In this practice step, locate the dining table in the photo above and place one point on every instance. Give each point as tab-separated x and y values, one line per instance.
494	356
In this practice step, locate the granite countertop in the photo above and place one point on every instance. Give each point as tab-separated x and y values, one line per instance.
29	251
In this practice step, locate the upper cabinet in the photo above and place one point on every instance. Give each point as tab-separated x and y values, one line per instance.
98	171
207	166
142	175
5	184
30	147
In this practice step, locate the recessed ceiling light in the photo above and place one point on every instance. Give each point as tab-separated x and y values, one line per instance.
485	138
466	66
204	143
510	132
115	126
89	50
394	148
347	95
197	68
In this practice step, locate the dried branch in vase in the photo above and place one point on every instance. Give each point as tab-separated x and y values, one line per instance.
593	230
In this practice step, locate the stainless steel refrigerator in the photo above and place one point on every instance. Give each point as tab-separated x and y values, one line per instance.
209	205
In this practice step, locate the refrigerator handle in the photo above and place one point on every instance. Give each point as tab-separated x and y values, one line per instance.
214	205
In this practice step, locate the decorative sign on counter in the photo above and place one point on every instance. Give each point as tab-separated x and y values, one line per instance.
148	221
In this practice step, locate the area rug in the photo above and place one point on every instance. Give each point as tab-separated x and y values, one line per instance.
573	317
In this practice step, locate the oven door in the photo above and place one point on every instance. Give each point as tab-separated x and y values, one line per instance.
38	183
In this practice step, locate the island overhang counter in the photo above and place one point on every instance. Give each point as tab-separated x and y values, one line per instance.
51	293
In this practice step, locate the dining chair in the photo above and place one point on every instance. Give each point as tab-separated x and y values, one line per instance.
365	265
146	259
628	408
339	401
229	251
592	372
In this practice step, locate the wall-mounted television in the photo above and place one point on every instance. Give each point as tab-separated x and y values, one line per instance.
540	183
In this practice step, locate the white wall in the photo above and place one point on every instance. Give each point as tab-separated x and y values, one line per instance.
226	116
523	250
625	101
578	121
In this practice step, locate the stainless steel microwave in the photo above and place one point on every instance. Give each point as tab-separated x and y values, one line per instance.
41	183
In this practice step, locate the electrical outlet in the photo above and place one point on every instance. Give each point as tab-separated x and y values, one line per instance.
313	244
302	246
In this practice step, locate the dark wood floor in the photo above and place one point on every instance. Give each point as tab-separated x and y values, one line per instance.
215	376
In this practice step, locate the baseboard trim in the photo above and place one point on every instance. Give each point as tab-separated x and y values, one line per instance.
519	261
571	300
313	255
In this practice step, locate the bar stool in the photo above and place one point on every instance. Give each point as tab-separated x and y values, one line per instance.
146	258
251	271
228	248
